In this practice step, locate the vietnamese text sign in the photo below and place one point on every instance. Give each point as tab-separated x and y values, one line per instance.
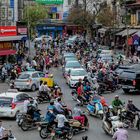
50	2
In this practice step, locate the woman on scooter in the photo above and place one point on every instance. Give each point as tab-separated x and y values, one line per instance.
77	115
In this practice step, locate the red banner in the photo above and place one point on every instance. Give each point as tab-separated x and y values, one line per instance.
8	31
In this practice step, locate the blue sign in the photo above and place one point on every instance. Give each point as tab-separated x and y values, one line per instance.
11	3
65	15
53	9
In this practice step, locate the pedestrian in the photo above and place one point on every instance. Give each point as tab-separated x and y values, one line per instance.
121	133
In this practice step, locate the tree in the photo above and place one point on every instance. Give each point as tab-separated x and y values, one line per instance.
33	14
106	17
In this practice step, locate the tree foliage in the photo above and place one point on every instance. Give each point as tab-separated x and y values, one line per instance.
106	17
34	13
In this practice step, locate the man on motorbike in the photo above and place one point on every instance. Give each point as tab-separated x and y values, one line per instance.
117	104
121	133
59	107
131	110
46	90
52	107
77	115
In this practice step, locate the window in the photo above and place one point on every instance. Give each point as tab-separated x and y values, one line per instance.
25	96
19	98
69	2
41	74
35	75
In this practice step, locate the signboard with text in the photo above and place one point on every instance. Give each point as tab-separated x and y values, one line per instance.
50	2
5	46
8	31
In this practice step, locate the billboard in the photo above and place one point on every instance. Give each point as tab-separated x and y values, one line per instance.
8	31
50	2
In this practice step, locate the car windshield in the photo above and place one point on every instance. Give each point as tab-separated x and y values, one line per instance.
78	73
70	58
5	102
73	65
24	76
128	74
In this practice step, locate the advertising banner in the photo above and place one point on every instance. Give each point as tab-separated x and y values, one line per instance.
8	31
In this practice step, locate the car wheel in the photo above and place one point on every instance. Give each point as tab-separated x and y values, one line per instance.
33	87
126	90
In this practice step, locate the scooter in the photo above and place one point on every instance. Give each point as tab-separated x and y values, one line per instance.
115	124
95	109
77	127
40	99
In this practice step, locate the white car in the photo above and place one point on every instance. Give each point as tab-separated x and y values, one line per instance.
29	80
46	37
12	102
74	76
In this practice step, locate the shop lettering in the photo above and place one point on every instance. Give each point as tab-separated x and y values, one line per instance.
5	46
8	30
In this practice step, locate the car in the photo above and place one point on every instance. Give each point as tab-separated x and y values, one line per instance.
74	75
68	54
106	57
70	65
12	102
130	80
122	68
67	59
46	37
106	52
29	80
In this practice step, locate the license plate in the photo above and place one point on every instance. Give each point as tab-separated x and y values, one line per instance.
39	128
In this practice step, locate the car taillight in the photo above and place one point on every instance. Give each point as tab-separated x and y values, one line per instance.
13	105
134	82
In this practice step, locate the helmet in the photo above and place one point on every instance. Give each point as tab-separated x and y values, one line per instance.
130	100
116	96
110	107
56	87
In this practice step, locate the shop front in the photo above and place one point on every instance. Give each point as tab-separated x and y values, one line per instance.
51	30
9	42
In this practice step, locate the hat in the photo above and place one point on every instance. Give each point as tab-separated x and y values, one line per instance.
116	96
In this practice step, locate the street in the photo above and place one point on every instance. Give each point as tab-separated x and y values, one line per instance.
95	131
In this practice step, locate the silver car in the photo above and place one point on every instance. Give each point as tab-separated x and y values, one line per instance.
29	80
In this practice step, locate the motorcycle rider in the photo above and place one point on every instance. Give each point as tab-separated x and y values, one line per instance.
41	88
121	133
77	115
2	130
116	104
52	107
59	107
132	110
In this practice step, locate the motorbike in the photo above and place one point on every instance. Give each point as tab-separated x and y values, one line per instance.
27	122
114	122
80	101
77	127
95	109
128	120
19	118
47	131
40	98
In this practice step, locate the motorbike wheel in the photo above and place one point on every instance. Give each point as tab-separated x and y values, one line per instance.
44	133
24	126
101	116
103	126
69	135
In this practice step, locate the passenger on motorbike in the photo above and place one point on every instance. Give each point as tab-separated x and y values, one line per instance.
132	110
117	104
30	111
46	90
41	88
77	115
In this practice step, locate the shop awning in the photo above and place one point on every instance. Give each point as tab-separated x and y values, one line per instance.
13	38
102	30
7	52
127	32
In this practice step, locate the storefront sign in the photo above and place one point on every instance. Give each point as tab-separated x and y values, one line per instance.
8	31
5	46
22	30
50	1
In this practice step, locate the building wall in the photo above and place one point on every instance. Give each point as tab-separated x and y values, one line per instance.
11	12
